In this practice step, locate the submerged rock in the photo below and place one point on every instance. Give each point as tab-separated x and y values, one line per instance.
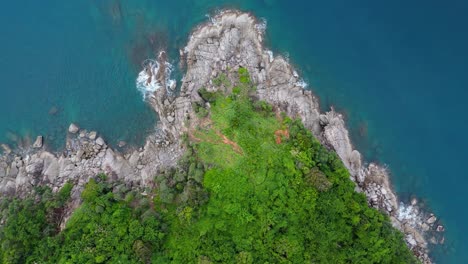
122	144
53	110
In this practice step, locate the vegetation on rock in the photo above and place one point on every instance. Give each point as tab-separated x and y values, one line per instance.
254	187
275	197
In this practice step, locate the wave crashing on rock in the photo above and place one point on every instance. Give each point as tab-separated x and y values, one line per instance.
155	74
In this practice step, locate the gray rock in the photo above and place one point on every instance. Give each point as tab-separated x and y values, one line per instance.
411	241
425	227
79	154
6	148
323	120
122	144
73	128
383	191
21	179
134	158
100	141
51	167
173	85
117	164
92	135
431	220
13	171
35	167
38	143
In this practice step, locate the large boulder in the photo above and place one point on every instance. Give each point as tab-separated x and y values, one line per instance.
51	166
34	168
6	148
73	128
21	179
92	135
13	170
39	142
115	163
100	141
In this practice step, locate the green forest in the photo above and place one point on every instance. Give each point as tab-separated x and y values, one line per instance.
254	186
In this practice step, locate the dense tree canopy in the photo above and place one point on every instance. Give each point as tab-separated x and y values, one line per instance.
275	195
254	187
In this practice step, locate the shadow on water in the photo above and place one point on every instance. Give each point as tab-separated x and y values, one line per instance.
146	45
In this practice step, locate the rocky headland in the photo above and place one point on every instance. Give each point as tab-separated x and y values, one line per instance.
230	40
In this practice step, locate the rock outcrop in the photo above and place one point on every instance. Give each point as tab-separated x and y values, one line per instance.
84	157
234	40
38	142
230	40
73	128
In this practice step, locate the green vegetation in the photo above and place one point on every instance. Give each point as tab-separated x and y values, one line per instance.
253	187
113	225
222	79
276	196
25	223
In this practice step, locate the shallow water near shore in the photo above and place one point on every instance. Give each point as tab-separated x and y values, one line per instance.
396	70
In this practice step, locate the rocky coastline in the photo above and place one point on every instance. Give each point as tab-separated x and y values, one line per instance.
231	39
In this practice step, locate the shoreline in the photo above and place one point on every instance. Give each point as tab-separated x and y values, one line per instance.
228	40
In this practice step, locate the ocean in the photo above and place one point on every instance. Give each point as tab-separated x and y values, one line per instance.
396	69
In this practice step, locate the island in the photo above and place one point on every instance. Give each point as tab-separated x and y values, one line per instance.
243	168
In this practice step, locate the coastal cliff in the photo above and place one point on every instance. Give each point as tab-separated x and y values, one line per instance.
219	48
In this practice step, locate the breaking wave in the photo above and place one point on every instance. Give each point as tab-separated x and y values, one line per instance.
270	55
261	26
302	83
410	214
148	83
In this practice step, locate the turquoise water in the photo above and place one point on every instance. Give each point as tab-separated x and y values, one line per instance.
396	69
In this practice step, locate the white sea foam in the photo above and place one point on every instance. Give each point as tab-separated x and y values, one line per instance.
215	18
270	55
409	214
302	83
262	26
147	83
212	19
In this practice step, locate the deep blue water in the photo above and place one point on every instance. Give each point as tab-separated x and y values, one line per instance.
397	69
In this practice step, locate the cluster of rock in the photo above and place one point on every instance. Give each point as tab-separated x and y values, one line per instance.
86	155
413	217
231	40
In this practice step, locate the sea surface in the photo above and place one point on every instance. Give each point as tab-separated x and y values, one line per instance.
397	69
